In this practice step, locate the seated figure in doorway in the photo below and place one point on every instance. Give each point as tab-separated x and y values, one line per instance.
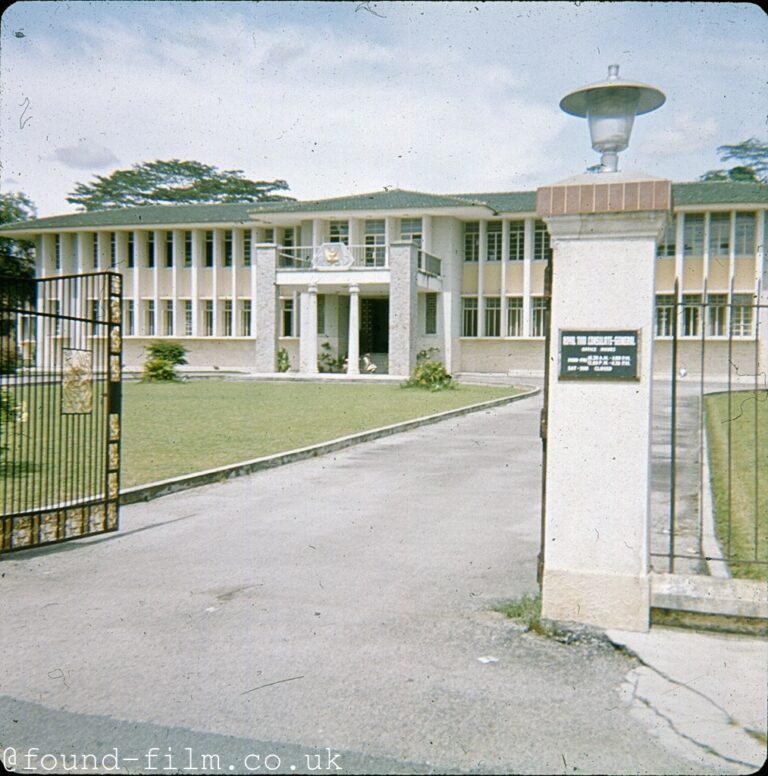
368	365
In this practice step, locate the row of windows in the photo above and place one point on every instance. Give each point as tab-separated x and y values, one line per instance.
719	232
165	250
163	321
492	316
712	317
494	241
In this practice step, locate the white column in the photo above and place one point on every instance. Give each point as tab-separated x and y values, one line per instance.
198	248
318	232
218	266
159	261
308	331
446	302
527	264
178	266
504	265
481	256
353	350
141	252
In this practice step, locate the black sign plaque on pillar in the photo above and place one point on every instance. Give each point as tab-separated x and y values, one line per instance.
599	355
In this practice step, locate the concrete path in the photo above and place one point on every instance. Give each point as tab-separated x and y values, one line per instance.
335	606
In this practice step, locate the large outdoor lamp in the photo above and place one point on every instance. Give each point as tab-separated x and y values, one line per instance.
610	108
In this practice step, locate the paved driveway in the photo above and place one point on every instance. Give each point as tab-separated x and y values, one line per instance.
336	605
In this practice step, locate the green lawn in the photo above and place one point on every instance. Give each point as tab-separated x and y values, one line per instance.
176	428
741	507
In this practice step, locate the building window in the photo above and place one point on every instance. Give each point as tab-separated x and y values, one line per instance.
150	249
245	318
691	315
269	235
471	241
410	229
745	234
375	243
95	311
321	313
187	249
717	314
515	316
247	248
493	241
228	318
539	316
208	318
113	249
719	234
430	324
516	240
169	317
469	317
57	251
665	314
339	232
209	248
492	316
131	250
169	249
130	322
541	242
742	307
188	318
228	248
287	318
693	234
54	309
150	326
667	245
95	249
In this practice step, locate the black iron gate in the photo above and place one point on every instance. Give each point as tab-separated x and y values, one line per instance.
711	505
60	378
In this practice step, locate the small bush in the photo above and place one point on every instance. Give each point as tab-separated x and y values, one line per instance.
326	362
163	359
168	351
429	374
283	362
157	370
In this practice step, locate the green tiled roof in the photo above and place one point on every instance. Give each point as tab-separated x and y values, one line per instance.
718	193
149	215
683	194
388	199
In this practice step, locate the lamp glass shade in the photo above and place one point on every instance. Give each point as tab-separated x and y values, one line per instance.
611	114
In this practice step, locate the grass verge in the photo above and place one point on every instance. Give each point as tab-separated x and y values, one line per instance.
737	435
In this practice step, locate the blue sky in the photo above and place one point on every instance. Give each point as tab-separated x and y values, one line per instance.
348	97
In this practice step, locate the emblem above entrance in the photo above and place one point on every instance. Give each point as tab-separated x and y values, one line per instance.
332	255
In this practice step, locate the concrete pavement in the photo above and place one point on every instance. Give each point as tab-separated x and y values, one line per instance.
335	606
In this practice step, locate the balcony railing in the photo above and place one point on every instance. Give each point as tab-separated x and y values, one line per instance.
363	257
429	264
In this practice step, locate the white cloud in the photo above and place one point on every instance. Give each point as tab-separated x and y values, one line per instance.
86	155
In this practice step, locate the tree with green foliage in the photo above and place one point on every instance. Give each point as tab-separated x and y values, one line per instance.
16	256
753	168
173	182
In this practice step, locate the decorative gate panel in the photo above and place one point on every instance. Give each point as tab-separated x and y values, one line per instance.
60	378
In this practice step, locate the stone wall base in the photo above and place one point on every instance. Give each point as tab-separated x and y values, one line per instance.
604	599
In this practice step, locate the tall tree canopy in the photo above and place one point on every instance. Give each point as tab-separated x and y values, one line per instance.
173	182
752	155
16	256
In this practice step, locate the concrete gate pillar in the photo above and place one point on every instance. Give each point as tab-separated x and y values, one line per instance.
403	266
266	309
604	231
